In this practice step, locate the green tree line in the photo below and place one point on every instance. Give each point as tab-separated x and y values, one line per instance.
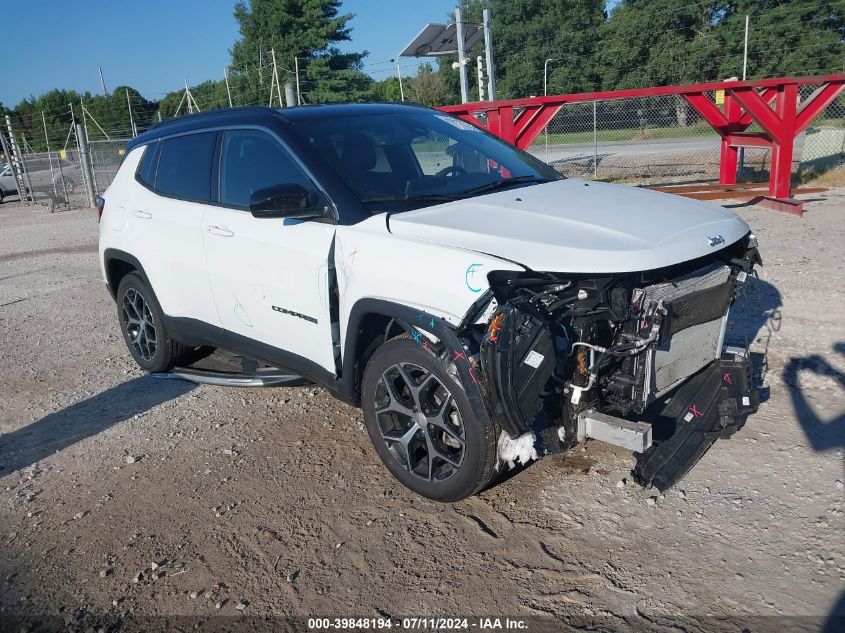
636	44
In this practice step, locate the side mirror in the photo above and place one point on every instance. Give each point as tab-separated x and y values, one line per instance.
285	201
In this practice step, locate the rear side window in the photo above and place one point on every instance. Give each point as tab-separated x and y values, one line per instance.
184	167
146	173
252	160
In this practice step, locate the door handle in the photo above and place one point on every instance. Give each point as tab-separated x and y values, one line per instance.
144	215
222	231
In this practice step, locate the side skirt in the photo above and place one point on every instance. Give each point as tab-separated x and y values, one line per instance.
194	332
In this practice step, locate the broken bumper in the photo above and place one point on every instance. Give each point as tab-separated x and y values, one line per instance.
713	404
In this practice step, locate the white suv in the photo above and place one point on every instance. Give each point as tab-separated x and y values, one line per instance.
479	307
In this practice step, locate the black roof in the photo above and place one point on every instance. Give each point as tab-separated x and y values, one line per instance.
260	114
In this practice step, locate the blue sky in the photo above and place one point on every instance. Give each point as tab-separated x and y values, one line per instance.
154	45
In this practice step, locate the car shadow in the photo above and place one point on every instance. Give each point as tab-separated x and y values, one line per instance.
58	430
822	434
836	618
755	316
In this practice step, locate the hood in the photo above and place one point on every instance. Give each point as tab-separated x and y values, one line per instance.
577	226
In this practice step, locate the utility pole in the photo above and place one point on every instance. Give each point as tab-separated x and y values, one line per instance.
546	92
131	120
488	50
479	67
296	69
290	96
276	76
188	97
399	74
85	163
462	69
102	81
745	50
546	75
744	71
228	92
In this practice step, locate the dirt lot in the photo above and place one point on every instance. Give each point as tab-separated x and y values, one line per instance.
127	496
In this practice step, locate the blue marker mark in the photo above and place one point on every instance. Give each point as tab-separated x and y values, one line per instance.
431	323
420	318
416	336
471	273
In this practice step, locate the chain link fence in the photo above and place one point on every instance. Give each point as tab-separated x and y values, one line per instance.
53	179
106	157
645	140
662	139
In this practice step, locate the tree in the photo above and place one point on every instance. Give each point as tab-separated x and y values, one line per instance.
428	87
309	31
385	90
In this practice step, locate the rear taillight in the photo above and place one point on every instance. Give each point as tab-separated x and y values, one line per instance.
101	204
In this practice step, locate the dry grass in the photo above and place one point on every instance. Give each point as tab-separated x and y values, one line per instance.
834	177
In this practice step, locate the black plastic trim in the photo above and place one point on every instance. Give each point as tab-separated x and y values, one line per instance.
194	332
113	254
410	319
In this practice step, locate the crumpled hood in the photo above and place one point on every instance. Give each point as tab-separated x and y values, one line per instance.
577	226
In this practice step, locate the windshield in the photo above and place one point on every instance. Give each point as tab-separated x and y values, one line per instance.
402	161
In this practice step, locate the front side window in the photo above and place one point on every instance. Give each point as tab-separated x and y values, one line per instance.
184	167
252	160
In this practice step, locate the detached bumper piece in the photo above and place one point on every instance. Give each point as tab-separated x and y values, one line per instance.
713	404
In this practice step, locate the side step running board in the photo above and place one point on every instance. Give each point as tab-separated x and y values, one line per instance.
634	436
259	378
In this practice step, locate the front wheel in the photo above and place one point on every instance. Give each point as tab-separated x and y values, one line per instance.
422	425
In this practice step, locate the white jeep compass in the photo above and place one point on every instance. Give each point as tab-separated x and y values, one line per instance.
480	308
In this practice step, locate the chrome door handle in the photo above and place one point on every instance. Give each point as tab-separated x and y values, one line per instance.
144	215
221	231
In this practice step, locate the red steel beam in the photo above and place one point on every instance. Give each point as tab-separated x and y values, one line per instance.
745	102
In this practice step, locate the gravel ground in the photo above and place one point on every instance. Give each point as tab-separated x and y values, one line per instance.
127	496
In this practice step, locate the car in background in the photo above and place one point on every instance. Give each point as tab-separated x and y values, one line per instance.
7	182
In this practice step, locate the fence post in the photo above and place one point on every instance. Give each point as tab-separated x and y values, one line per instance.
16	161
487	17
8	151
290	96
85	163
595	145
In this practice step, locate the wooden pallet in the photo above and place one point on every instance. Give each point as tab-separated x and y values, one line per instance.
755	193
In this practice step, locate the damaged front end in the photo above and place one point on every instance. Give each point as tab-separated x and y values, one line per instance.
567	357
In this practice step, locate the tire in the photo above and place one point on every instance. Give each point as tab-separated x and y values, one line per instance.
1	196
426	435
142	326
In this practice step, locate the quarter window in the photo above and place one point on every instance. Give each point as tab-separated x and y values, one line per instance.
253	160
184	168
147	167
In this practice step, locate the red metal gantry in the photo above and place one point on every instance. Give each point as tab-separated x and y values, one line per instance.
520	121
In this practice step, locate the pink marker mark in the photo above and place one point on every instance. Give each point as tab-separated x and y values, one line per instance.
694	410
459	355
472	375
352	255
727	378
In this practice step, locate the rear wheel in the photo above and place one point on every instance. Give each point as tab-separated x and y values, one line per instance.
143	328
422	426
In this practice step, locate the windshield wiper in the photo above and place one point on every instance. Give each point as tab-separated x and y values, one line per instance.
501	184
421	198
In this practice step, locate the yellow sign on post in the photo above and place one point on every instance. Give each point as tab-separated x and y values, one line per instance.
720	97
63	154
